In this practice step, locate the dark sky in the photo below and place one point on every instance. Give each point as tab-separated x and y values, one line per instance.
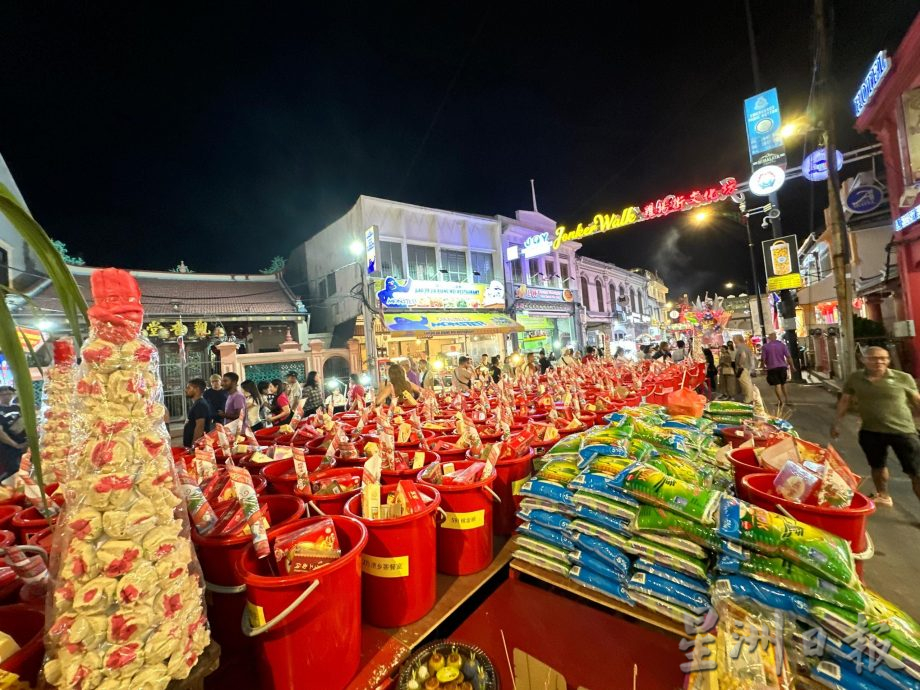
223	134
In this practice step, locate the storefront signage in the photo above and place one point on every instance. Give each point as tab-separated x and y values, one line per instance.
432	294
814	166
908	218
864	198
767	180
673	203
781	258
539	294
873	79
370	246
435	323
537	245
763	124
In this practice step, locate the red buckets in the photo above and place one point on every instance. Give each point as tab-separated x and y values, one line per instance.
744	462
465	532
28	522
308	626
849	523
394	476
331	504
7	513
398	563
510	476
218	557
25	624
736	435
280	474
447	454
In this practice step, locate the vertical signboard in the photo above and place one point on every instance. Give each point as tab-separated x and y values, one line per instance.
781	259
370	246
763	124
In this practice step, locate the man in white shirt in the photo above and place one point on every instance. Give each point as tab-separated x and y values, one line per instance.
679	353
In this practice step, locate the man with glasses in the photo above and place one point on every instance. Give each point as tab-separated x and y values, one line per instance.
886	400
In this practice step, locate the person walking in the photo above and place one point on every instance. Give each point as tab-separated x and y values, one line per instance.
312	395
235	402
728	385
393	391
543	362
216	397
711	371
777	361
200	413
13	438
495	369
253	404
744	370
281	406
887	400
569	357
294	390
356	391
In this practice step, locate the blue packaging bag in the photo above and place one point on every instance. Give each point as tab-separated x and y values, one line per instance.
545	518
587	559
560	539
612	556
739	587
678	578
591	580
539	488
619	525
668	591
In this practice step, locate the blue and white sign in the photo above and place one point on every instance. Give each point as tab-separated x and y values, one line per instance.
537	245
863	198
763	122
767	180
908	218
870	83
370	246
814	166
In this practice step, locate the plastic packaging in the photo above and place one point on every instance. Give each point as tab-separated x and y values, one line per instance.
599	583
655	487
619	525
651	519
127	609
671	575
307	548
587	559
556	538
612	556
605	504
795	483
694	567
740	588
663	589
539	488
56	414
545	518
553	565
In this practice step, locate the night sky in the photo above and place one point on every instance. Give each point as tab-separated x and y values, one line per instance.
222	134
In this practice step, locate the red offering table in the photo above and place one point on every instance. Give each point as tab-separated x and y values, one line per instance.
589	647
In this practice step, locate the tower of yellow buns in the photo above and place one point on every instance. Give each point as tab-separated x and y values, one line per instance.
127	608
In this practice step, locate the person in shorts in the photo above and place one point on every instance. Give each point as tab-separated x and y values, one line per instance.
887	399
776	361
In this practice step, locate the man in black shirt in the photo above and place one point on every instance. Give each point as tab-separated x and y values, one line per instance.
216	397
12	433
200	413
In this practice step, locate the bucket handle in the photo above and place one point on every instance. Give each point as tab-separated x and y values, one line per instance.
37	550
443	514
223	589
249	631
869	552
315	507
498	499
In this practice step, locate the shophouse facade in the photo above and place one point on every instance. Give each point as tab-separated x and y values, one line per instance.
615	307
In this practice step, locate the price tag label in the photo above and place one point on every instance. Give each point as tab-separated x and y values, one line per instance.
472	520
397	566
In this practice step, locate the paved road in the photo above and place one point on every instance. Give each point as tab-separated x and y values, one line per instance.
895	569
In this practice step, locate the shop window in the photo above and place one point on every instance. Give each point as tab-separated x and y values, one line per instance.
910	102
824	264
423	264
330	284
584	291
613	297
564	273
599	290
453	266
517	272
482	267
632	300
391	263
552	278
533	271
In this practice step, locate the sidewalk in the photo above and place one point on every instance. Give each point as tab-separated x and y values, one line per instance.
895	531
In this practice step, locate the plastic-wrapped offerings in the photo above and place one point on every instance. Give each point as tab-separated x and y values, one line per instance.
127	608
57	412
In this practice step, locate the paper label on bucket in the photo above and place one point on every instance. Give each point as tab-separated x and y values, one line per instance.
256	615
385	567
473	520
516	486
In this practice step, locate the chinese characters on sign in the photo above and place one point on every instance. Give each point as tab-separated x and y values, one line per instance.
763	123
431	294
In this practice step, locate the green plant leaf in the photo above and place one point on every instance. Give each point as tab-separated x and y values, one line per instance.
65	286
12	349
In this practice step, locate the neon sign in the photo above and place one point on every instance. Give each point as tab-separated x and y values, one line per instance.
673	203
870	83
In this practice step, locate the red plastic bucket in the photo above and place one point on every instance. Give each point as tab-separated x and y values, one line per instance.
465	531
307	626
333	504
25	624
849	523
7	513
398	563
448	454
393	476
218	557
510	476
281	477
736	435
30	521
44	539
744	462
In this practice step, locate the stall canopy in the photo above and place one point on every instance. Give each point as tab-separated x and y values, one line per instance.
457	323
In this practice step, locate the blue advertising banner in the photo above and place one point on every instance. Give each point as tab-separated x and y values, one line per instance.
763	123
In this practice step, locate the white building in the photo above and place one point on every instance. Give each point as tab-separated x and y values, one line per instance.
540	283
615	304
19	267
435	286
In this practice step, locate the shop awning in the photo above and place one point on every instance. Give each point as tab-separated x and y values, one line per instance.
534	323
415	324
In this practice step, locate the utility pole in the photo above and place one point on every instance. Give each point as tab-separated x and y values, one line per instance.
836	221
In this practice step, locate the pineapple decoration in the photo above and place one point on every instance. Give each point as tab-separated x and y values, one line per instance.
127	610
